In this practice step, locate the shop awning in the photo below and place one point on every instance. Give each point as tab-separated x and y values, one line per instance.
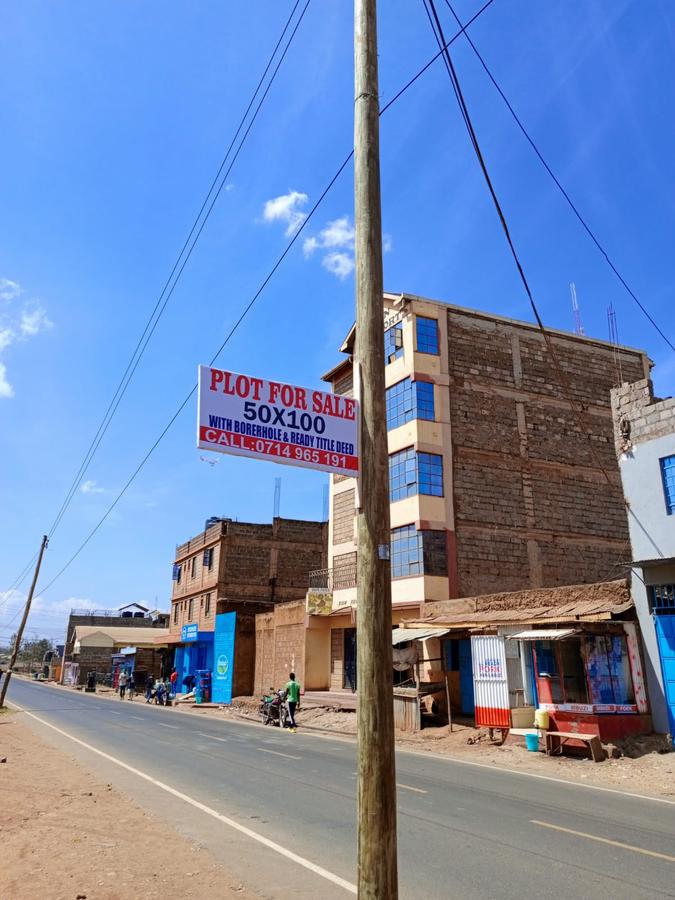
541	634
399	635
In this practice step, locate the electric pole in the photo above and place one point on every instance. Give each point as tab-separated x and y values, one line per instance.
377	867
19	634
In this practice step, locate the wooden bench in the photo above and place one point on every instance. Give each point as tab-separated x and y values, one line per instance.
556	739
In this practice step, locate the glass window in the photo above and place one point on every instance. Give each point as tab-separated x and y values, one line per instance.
175	613
427	335
177	570
668	475
208	558
409	400
207	604
393	343
190	606
411	473
430	472
418	552
424	397
193	566
402	475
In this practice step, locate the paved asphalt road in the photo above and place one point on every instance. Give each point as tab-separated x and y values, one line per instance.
463	830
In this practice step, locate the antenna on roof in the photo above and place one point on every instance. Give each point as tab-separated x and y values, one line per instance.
614	341
578	327
277	497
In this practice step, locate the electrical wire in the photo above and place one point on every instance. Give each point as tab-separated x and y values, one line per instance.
177	270
575	406
570	202
254	299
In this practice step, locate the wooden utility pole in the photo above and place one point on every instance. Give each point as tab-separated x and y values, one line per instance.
19	634
377	868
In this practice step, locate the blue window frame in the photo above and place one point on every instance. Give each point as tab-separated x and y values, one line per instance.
393	343
402	475
427	335
663	599
408	400
418	552
413	473
668	476
430	474
406	552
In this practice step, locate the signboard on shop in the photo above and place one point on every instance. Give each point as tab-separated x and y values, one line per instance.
283	423
189	633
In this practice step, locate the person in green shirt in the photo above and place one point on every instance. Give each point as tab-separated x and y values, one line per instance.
293	699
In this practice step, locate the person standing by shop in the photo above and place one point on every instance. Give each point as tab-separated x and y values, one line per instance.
173	679
122	683
131	685
293	699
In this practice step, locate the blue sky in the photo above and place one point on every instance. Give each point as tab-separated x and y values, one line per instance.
115	117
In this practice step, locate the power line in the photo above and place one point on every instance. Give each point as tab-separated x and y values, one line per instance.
177	270
575	406
573	207
255	297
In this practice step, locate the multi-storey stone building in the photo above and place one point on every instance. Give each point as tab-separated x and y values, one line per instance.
237	567
493	483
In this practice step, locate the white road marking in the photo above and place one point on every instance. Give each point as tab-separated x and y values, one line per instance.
603	840
408	787
140	718
164	725
115	713
276	753
212	737
242	829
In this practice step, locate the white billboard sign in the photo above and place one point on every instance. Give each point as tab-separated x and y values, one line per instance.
279	422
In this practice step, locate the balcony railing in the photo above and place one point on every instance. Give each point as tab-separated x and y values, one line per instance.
336	579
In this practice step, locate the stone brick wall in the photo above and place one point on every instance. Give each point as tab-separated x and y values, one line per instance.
279	646
343	517
532	506
644	417
337	666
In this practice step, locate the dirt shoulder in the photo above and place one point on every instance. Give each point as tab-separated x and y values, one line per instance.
66	835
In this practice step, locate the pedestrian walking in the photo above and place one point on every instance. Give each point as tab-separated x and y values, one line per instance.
149	685
292	699
122	683
173	679
131	685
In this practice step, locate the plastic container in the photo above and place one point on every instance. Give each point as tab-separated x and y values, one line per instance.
541	719
532	742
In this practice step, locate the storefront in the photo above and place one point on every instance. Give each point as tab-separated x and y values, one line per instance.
588	678
193	654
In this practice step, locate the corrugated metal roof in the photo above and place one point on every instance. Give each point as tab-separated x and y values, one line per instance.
123	636
399	635
541	634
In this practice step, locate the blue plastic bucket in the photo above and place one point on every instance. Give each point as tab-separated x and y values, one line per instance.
532	742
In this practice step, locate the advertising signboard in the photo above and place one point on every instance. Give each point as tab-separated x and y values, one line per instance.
189	632
223	657
279	422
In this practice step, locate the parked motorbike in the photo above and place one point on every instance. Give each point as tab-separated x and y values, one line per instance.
274	709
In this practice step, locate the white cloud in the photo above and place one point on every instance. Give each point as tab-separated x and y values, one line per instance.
33	321
90	487
287	209
9	289
339	264
6	337
229	187
6	389
337	234
387	243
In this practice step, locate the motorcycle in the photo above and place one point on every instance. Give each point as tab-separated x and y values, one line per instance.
274	710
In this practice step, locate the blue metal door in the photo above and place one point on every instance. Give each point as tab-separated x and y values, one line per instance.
466	677
665	633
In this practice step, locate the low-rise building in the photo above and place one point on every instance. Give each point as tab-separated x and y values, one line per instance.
645	446
237	568
107	650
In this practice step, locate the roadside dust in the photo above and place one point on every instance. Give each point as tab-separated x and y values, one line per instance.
65	834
